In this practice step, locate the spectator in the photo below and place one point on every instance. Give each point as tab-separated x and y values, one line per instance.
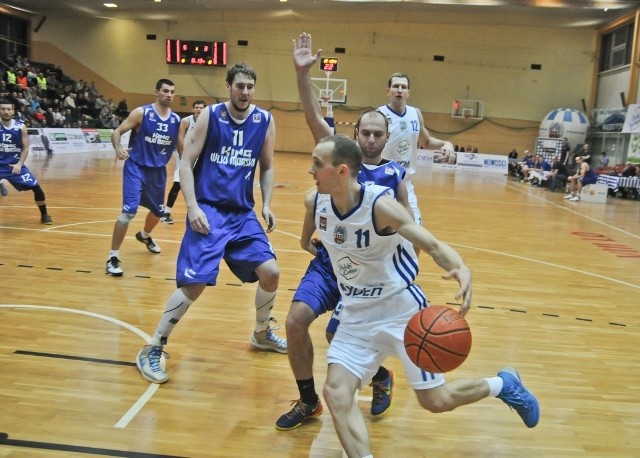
122	110
21	80
541	170
70	104
566	149
11	78
584	175
41	84
630	170
604	161
558	175
525	166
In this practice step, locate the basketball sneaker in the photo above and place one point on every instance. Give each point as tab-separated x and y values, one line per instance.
167	219
382	394
267	340
46	219
296	416
575	199
3	189
113	267
151	245
149	362
518	397
569	196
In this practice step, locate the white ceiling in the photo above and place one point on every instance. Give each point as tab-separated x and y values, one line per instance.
560	13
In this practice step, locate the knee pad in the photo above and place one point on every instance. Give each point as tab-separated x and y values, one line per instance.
38	194
125	218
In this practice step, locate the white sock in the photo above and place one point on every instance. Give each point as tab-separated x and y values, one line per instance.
167	210
145	235
264	304
174	310
495	385
115	253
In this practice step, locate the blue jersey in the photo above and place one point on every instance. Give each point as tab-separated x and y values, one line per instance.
153	143
11	142
386	173
224	171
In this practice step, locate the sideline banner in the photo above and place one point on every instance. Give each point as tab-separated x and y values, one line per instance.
65	141
465	161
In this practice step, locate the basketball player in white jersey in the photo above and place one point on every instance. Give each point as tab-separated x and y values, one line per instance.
376	268
406	131
186	125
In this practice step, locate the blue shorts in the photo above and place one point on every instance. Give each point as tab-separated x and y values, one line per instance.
319	287
22	181
236	237
588	180
143	186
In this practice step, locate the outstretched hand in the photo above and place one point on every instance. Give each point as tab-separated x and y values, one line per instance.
303	56
463	276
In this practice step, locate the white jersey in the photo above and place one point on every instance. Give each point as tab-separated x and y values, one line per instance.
192	124
370	268
404	132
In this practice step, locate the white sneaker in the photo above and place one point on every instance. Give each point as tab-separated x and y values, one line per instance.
151	363
574	199
569	196
151	245
267	340
113	267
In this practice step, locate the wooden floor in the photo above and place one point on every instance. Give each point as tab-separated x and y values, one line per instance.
557	289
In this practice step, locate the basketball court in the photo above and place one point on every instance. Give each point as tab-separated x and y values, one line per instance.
556	288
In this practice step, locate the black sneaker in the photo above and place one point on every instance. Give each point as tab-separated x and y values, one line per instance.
151	245
296	416
113	267
46	219
167	219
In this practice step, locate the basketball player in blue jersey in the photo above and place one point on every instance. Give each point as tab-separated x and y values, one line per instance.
186	125
154	136
406	131
318	289
376	268
217	170
14	149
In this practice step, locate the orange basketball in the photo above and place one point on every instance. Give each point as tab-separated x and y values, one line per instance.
437	339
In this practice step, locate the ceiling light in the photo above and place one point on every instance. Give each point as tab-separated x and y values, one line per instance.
110	5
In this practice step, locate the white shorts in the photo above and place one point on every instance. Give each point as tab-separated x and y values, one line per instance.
176	171
362	348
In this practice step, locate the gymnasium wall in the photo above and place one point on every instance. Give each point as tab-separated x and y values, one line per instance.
488	63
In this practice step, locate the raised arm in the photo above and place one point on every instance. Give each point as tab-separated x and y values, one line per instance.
303	60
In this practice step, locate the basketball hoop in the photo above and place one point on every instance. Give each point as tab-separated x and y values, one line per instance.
324	101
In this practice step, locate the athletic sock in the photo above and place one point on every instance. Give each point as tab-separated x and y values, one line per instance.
307	389
264	303
43	209
495	385
174	310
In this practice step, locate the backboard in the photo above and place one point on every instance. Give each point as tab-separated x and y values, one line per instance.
469	109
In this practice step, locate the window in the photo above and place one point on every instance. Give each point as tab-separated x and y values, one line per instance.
616	48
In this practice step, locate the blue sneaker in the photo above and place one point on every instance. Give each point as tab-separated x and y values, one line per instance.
300	413
382	394
518	397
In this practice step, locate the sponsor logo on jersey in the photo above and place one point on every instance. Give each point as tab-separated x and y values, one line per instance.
340	234
352	291
403	125
347	268
389	170
323	223
223	114
257	117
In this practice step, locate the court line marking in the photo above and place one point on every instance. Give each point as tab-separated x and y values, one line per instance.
153	387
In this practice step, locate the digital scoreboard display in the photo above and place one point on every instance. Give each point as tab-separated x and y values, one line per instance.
193	52
329	64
